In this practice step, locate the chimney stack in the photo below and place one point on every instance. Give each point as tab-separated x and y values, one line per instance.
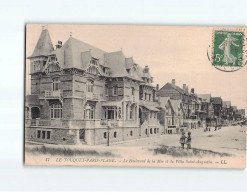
157	87
173	81
146	69
59	44
184	87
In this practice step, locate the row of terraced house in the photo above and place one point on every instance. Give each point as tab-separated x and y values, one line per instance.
83	95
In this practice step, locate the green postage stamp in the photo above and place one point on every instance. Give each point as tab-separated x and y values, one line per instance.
228	48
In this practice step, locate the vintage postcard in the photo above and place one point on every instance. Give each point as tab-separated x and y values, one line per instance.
136	96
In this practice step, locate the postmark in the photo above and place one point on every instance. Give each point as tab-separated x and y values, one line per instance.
228	49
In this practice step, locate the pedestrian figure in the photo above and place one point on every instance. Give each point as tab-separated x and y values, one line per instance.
188	141
209	129
182	139
215	128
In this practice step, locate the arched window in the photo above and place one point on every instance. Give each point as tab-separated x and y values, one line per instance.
131	133
105	135
146	131
151	131
55	84
115	134
56	110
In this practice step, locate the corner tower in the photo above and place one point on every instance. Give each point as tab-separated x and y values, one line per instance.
40	54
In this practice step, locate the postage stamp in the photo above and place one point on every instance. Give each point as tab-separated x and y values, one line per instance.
228	49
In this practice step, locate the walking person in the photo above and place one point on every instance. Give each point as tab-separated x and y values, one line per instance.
188	141
182	139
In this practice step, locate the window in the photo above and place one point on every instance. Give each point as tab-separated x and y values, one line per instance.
149	97
90	86
89	111
131	112
131	133
154	130
133	90
115	134
119	113
38	134
146	131
43	134
105	135
36	65
48	135
56	111
106	90
94	61
110	113
55	84
151	131
115	90
157	130
92	70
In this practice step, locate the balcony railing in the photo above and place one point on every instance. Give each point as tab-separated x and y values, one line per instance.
95	96
88	123
53	94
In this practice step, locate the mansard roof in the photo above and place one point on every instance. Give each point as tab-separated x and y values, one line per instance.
116	63
76	49
44	45
129	62
78	54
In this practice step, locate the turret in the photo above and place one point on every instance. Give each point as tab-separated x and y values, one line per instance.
42	49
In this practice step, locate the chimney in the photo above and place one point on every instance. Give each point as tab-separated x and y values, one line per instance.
157	87
184	87
146	69
192	90
173	81
59	44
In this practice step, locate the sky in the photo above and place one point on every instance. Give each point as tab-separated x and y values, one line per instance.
171	52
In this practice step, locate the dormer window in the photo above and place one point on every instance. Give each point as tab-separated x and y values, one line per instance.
53	58
94	61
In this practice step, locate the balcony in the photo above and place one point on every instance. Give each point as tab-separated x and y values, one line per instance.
53	94
88	124
95	96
